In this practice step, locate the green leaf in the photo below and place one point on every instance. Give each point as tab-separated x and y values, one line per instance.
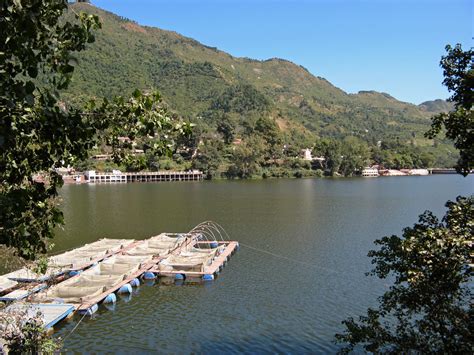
137	94
33	72
30	87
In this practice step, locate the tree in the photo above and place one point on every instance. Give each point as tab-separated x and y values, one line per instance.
226	127
241	98
331	150
36	133
458	66
247	157
269	131
428	308
209	158
39	132
356	155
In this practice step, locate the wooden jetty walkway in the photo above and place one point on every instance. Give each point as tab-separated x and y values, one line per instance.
146	176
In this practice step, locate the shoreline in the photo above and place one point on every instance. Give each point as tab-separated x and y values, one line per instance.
116	176
259	178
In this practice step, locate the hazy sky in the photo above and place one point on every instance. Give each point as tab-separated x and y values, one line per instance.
392	46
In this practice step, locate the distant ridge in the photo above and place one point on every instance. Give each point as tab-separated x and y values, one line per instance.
202	83
437	106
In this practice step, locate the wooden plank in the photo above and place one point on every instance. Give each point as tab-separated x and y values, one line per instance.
211	269
172	273
22	293
7	285
213	241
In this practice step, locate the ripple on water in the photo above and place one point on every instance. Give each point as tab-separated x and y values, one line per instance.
260	303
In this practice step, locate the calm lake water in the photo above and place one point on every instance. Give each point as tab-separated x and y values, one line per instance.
260	303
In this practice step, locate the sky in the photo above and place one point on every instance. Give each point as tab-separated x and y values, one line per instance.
391	46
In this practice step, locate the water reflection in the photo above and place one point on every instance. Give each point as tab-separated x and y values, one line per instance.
259	303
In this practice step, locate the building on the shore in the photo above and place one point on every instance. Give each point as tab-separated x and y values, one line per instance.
306	154
370	172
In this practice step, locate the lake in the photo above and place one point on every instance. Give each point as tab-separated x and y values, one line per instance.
298	274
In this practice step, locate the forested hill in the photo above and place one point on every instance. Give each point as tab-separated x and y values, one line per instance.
202	84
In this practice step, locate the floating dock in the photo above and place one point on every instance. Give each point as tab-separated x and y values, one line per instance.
82	279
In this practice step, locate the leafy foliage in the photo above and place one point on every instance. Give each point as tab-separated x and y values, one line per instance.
428	308
458	66
331	151
142	119
226	127
247	158
25	334
241	98
39	133
36	134
210	158
346	157
269	131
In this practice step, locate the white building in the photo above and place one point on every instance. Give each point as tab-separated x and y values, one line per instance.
370	172
306	154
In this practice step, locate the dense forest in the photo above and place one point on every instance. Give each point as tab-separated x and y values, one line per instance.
252	118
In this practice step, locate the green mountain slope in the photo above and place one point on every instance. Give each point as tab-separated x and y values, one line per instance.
202	83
